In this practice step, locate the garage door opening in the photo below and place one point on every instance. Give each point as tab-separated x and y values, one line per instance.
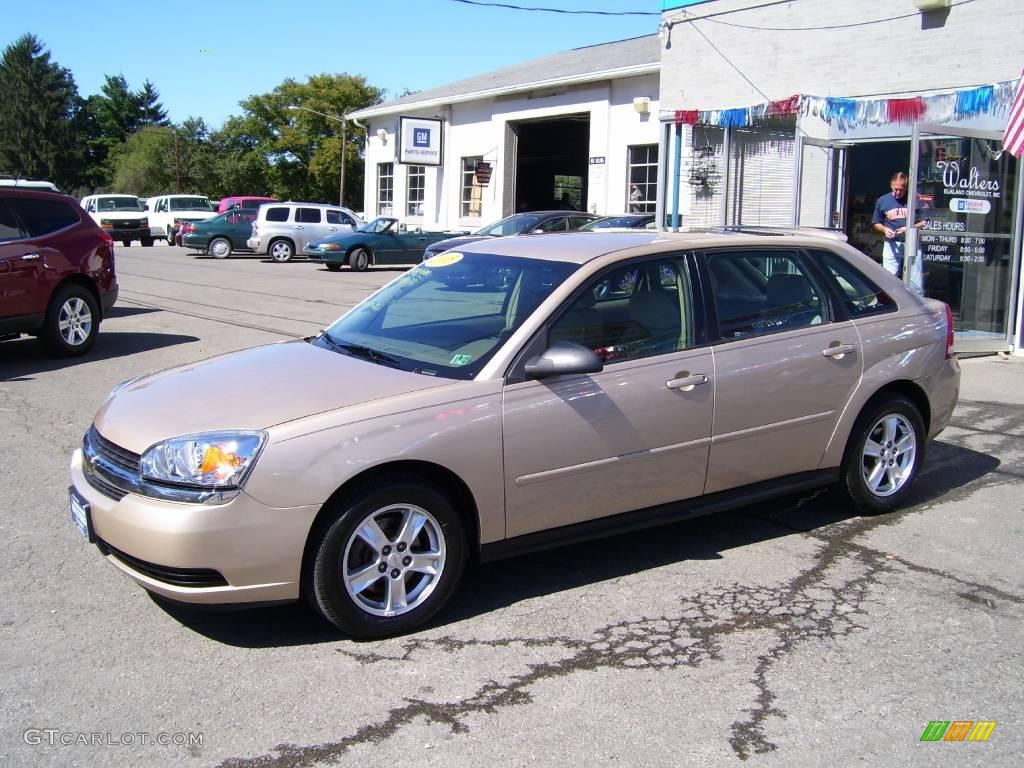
551	164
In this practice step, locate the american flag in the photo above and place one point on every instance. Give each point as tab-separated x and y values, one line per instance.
1013	139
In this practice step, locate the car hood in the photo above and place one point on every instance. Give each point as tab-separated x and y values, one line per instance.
193	215
252	389
455	242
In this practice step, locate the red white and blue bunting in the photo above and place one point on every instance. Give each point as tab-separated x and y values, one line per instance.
846	114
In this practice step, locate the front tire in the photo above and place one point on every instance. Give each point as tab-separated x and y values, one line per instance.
331	267
219	248
359	260
72	321
386	559
281	251
147	242
884	455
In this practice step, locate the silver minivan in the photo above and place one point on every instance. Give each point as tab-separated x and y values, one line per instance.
284	229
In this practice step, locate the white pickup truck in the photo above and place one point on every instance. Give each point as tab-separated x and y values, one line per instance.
167	212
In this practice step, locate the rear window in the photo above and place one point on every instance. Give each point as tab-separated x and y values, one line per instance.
41	217
277	214
307	215
861	296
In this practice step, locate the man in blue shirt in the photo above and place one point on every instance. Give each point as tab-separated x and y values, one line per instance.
890	219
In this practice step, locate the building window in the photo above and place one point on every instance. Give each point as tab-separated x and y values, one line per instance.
568	193
472	191
642	187
416	185
385	189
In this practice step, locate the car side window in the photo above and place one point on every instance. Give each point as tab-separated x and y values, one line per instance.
635	311
10	227
307	215
337	217
41	217
277	213
757	292
575	222
861	296
561	224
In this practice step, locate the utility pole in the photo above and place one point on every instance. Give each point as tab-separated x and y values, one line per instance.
343	119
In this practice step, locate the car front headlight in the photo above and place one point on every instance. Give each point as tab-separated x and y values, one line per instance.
213	460
143	222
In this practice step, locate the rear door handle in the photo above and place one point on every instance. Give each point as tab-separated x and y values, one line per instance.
686	383
30	257
839	351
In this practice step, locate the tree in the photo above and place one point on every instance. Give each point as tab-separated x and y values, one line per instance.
302	149
113	115
41	119
145	164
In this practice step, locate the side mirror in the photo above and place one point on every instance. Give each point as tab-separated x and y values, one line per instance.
563	358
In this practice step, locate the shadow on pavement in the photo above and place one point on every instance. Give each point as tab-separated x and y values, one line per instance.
500	584
25	357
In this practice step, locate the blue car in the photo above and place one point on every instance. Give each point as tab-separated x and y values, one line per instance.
381	242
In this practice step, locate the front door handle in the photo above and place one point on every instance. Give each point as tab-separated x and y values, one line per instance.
839	351
686	382
30	257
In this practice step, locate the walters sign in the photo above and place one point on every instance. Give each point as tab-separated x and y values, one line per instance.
419	140
966	193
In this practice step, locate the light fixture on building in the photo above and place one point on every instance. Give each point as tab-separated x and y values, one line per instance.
931	5
382	134
642	105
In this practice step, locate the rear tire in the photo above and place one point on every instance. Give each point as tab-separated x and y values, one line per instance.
72	321
884	455
126	243
219	248
281	251
386	559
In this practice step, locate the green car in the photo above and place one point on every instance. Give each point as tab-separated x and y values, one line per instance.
380	242
220	235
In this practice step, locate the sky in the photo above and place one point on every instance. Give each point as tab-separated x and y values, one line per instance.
205	57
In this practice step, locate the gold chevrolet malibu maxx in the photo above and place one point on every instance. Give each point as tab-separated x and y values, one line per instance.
516	393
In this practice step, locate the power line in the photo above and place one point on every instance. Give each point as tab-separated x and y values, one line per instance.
512	7
821	29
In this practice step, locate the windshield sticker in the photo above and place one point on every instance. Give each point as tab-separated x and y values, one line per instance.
458	360
443	260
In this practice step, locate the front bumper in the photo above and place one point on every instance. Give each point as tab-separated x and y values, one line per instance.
255	548
325	257
127	233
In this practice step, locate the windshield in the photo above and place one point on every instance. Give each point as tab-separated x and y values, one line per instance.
118	204
448	316
513	225
377	226
190	204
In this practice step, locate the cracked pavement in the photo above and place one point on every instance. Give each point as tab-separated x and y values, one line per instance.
789	633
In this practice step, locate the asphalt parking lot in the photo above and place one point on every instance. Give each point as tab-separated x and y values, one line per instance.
791	633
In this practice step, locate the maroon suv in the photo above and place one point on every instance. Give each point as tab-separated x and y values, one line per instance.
57	275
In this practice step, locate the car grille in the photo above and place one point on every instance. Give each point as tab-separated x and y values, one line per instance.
109	468
179	577
125	224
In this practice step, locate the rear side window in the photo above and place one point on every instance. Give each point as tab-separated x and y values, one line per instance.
339	217
307	215
560	224
758	292
861	296
41	217
10	227
277	214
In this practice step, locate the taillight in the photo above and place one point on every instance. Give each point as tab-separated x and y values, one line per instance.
949	332
106	236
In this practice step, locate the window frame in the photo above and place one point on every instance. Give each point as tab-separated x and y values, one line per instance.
412	173
385	189
839	297
811	270
649	204
541	340
300	210
470	186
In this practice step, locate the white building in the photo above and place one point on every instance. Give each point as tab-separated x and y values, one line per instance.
578	127
798	113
